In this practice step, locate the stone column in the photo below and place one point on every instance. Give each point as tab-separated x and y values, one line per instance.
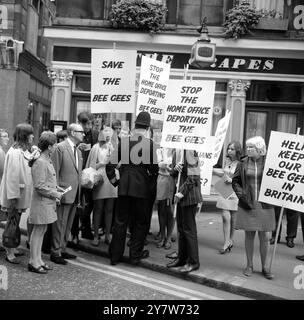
61	95
236	104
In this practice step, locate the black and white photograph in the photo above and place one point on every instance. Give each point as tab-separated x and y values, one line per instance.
151	154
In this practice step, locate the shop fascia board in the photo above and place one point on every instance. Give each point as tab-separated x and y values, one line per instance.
208	74
170	42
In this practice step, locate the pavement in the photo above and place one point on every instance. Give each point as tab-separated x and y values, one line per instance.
222	271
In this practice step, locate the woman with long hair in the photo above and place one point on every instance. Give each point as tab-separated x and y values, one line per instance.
253	216
104	194
43	204
229	206
16	184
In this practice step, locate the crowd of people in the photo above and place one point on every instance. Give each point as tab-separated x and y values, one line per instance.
135	173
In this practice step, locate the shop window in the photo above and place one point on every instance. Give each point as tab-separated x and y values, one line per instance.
256	124
83	9
276	6
82	83
274	92
191	12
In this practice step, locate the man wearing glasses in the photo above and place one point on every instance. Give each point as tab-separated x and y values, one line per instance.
90	138
67	161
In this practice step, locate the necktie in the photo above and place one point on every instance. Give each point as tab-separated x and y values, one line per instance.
75	155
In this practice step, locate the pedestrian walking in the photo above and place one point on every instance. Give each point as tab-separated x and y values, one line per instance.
135	154
253	216
44	198
67	161
187	198
229	206
16	184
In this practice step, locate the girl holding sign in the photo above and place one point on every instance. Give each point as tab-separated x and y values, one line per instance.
253	215
229	205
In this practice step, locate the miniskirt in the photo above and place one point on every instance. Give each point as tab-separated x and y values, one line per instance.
257	219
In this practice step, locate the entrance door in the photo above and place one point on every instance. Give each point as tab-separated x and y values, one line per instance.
259	121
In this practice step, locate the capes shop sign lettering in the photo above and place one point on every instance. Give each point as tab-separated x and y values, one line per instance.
221	62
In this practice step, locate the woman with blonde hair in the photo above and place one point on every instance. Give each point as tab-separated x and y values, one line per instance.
105	193
253	216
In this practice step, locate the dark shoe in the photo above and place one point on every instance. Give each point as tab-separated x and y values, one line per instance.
172	255
176	263
300	257
145	254
135	261
87	235
46	267
40	269
68	256
12	260
289	243
189	267
267	274
58	260
226	250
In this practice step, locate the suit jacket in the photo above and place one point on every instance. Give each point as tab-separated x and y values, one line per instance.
67	173
138	166
17	180
190	182
44	190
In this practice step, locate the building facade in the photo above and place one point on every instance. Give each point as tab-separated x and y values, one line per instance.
259	77
25	89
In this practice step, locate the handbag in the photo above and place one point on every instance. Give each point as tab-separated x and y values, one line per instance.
11	236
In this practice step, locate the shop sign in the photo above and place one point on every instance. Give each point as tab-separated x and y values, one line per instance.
252	64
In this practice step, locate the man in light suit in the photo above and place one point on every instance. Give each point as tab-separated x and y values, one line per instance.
67	161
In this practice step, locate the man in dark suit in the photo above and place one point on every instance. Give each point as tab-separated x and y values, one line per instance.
67	161
187	198
137	157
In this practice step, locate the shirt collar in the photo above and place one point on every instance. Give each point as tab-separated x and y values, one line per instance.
71	143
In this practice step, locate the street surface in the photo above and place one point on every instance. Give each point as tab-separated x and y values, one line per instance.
91	277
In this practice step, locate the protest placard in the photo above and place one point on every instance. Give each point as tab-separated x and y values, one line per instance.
113	81
188	114
153	84
206	165
283	177
220	135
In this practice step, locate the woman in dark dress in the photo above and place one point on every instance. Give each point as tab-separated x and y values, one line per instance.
253	215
